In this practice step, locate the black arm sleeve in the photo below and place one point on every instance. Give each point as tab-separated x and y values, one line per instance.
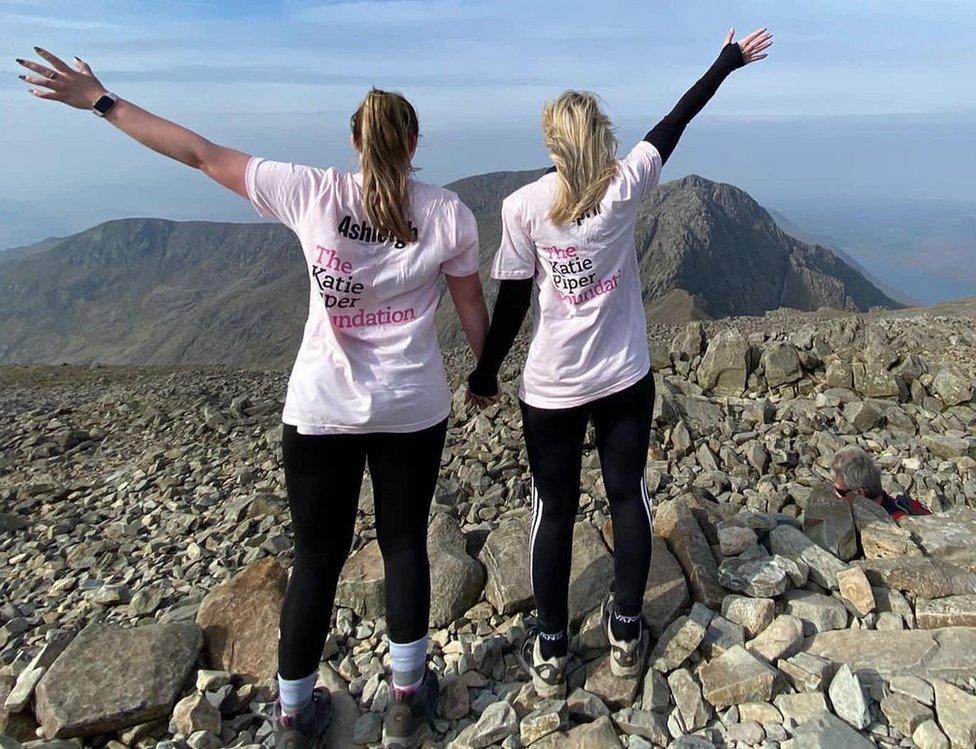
511	306
665	135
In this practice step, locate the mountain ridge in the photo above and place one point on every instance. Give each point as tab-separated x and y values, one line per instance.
154	291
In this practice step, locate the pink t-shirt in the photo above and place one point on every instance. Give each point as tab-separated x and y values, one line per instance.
590	337
369	359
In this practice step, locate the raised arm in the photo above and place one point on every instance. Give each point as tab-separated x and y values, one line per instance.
79	88
664	135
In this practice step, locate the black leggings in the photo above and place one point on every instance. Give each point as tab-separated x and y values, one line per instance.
554	440
323	475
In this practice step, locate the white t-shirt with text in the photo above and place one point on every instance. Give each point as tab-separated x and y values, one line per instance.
590	338
369	359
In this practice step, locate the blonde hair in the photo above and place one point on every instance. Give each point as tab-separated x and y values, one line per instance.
382	129
583	147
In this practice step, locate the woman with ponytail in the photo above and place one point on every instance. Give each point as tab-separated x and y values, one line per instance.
368	385
570	236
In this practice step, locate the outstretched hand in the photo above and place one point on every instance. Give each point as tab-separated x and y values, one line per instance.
753	46
76	87
480	401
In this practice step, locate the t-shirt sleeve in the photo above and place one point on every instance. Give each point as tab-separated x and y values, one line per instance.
283	191
467	259
642	167
516	253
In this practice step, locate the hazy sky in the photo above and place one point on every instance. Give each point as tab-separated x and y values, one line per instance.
868	100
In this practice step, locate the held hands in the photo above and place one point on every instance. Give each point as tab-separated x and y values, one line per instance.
480	401
78	88
753	46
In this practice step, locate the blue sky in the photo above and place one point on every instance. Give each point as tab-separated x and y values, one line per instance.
859	101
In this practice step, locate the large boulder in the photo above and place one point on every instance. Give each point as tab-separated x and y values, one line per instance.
725	366
506	559
949	536
591	574
738	676
952	388
240	621
781	363
828	522
666	595
919	576
791	543
362	585
111	677
676	524
456	579
948	654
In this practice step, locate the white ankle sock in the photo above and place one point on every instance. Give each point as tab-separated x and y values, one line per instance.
408	662
294	694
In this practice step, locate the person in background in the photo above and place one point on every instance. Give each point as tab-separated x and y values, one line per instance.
368	386
855	474
569	238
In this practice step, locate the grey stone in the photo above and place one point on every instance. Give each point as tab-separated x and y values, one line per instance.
599	734
656	695
904	713
952	387
456	579
591	573
368	728
802	706
666	594
948	654
361	583
919	576
721	635
497	722
781	639
949	536
509	585
675	522
760	578
828	522
929	736
737	676
692	708
680	639
615	691
195	713
951	611
848	698
548	717
819	613
747	732
584	706
725	366
110	677
807	672
956	711
827	731
854	587
753	614
914	687
781	364
793	544
643	723
735	539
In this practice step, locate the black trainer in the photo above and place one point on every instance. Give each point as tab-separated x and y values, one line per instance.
548	674
407	721
626	656
306	730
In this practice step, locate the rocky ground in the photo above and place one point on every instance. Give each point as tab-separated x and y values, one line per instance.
144	545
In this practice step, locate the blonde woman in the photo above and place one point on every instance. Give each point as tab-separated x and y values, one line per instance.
570	236
368	384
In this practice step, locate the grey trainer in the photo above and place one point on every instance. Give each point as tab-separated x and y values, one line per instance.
306	730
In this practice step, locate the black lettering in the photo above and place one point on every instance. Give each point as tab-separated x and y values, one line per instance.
344	225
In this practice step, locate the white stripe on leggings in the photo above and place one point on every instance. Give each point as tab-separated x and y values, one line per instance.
536	520
646	497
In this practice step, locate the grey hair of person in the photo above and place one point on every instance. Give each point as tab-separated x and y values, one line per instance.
857	468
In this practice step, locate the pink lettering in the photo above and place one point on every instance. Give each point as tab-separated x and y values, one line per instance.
329	258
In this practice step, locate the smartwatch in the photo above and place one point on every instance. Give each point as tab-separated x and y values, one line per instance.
105	102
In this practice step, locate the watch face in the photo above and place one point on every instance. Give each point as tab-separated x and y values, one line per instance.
103	104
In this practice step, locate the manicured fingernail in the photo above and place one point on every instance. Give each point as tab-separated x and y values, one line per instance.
20	61
37	49
22	77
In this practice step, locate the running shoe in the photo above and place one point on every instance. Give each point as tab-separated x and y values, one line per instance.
626	656
306	730
407	721
548	675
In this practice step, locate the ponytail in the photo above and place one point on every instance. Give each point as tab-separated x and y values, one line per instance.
582	145
382	130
